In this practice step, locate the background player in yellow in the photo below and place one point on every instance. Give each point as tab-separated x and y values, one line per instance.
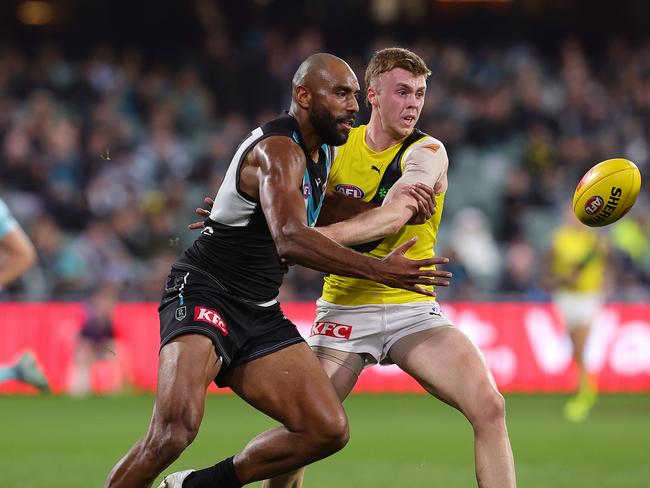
577	266
360	322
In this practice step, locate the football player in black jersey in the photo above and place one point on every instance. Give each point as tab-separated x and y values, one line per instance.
219	316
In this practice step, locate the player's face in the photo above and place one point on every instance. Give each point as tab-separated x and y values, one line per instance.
334	108
399	98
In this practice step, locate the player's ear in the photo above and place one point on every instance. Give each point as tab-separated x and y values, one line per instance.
303	97
371	96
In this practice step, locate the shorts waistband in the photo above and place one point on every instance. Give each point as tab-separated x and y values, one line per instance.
221	286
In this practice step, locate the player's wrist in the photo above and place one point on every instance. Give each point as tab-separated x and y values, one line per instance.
373	269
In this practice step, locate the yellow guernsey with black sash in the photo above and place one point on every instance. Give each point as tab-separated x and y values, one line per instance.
578	253
362	173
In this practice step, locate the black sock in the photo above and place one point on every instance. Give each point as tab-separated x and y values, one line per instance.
221	475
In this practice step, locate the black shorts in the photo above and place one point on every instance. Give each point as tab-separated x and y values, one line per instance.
240	330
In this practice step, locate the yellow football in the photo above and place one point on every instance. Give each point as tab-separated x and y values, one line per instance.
606	192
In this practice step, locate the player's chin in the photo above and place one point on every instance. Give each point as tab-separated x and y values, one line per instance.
343	132
401	130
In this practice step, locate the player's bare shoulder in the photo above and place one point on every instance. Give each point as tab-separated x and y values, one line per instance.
274	152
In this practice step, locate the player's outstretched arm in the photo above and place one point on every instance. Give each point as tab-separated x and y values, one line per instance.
338	207
18	255
281	166
343	207
422	166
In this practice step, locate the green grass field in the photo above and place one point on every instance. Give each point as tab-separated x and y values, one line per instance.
397	441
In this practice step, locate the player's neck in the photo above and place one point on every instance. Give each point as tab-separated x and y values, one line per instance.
378	138
310	137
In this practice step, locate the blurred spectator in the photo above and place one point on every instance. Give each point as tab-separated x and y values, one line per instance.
109	153
96	341
631	251
521	270
61	267
474	244
464	289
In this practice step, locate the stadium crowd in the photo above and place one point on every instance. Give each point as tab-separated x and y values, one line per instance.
103	158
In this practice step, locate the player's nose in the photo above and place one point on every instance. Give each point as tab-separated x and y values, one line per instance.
352	105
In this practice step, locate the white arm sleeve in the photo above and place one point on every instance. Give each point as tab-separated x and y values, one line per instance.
424	162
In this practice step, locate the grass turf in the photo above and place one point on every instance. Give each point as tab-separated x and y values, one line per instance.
397	441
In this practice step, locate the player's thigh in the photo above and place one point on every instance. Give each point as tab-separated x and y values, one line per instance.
446	363
288	385
187	365
342	367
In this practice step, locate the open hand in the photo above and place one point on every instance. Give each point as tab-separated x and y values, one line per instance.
203	213
398	271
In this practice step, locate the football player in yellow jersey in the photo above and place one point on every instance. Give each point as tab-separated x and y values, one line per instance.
577	268
361	323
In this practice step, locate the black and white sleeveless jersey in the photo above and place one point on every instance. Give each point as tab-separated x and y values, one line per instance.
235	249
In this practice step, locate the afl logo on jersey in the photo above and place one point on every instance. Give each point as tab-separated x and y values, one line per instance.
306	190
350	190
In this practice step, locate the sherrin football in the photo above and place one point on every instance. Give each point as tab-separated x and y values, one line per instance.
606	192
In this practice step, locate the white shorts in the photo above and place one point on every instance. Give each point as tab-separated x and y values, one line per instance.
372	329
577	309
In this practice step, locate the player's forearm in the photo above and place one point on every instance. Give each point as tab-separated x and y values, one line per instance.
308	247
338	207
372	225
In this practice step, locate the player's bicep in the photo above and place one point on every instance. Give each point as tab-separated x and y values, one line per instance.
281	171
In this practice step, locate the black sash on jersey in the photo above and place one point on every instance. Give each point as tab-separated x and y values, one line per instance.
392	173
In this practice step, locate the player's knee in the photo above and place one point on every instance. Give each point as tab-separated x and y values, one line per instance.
181	435
333	432
170	438
492	406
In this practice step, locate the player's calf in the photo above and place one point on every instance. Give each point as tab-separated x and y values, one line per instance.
292	479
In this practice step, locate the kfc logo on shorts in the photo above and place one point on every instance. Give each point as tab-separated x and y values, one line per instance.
202	314
331	329
306	190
